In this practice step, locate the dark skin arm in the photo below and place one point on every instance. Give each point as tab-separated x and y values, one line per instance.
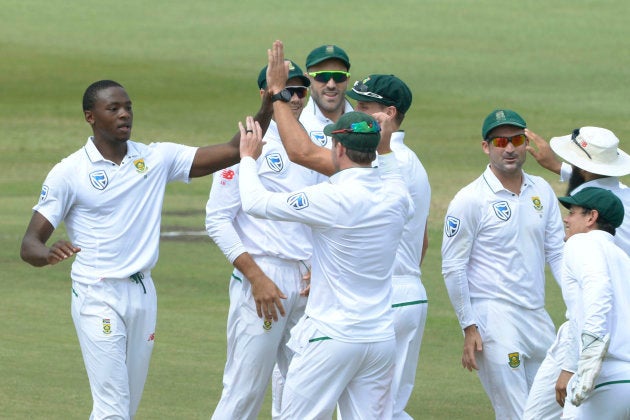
210	159
34	250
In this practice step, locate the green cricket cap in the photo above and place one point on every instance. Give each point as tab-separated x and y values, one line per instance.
386	89
327	52
607	204
355	130
500	117
294	71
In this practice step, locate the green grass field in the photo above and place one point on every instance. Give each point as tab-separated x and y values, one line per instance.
190	67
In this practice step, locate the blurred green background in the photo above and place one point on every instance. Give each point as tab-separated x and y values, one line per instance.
190	68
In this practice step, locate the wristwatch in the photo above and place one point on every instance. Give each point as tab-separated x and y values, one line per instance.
284	95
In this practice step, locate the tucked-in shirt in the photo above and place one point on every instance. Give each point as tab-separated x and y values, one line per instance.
113	212
495	243
236	232
357	219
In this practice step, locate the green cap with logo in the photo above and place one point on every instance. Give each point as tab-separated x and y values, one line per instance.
500	117
356	131
607	204
327	52
294	71
386	89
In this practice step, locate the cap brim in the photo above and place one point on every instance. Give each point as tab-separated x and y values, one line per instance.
567	201
358	97
565	148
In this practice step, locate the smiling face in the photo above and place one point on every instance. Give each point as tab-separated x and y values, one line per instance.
329	96
111	117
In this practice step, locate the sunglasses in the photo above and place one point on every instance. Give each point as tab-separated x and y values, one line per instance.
363	89
359	127
516	140
574	136
300	91
325	75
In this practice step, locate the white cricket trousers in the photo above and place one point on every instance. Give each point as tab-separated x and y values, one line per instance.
515	342
115	323
325	371
255	345
409	299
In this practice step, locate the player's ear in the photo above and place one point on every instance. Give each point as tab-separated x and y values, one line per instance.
89	117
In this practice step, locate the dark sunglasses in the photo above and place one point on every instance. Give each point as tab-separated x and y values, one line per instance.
516	140
300	91
325	75
574	136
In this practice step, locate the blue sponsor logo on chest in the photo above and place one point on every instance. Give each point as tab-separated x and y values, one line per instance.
502	210
98	179
274	161
318	137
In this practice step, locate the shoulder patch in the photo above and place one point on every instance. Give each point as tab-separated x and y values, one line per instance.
98	179
451	226
502	210
298	201
44	193
274	161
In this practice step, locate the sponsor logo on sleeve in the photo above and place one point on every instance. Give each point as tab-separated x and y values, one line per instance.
451	226
99	179
44	193
298	201
274	161
502	210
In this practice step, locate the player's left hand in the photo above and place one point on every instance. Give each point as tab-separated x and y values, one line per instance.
472	344
251	138
561	386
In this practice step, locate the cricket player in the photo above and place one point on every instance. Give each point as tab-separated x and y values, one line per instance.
109	193
597	294
269	257
499	232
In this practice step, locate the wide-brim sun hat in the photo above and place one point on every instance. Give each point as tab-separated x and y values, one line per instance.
593	149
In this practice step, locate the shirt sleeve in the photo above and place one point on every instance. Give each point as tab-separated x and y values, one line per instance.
554	238
222	207
565	172
458	237
317	205
57	196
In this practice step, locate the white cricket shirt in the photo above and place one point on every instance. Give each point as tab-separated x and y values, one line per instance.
236	232
495	243
357	219
113	212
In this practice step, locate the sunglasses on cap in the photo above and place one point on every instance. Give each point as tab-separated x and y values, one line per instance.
359	127
363	89
300	91
325	75
574	136
516	140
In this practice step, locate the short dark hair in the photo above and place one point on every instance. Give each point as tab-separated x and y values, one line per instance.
89	97
357	156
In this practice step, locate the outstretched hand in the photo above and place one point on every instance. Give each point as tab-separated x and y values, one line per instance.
277	68
251	138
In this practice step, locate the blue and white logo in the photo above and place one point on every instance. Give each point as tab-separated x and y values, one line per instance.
44	193
274	161
99	179
502	210
319	138
298	201
451	226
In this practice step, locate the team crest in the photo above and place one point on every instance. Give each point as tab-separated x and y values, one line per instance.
274	161
267	324
319	138
502	210
44	193
298	201
537	203
107	326
514	360
451	226
140	165
99	179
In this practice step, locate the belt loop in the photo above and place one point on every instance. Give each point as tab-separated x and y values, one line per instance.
137	278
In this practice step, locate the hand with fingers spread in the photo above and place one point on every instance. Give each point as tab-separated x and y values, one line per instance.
251	139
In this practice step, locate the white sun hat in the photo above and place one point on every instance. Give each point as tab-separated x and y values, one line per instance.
593	149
